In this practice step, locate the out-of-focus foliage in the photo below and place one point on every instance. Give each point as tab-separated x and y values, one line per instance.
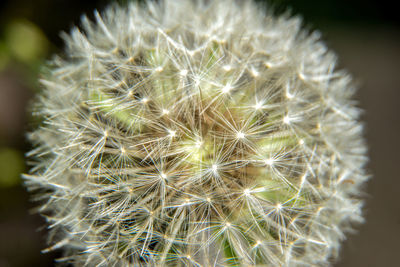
25	41
11	166
22	42
23	47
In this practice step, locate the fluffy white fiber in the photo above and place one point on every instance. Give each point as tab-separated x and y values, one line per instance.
196	133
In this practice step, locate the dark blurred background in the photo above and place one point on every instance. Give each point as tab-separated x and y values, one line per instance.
365	35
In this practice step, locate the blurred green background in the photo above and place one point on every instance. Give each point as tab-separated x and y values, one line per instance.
365	34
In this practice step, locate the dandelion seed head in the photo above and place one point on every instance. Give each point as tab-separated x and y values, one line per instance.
191	132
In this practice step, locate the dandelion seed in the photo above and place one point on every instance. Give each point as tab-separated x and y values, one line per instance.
289	95
214	168
197	81
246	192
159	69
172	133
258	106
278	207
268	64
269	161
255	73
183	72
240	135
226	88
227	67
286	120
198	143
302	76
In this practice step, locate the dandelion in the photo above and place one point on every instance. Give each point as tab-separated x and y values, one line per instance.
196	133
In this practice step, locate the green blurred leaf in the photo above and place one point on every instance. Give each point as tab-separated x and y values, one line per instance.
4	56
25	41
11	167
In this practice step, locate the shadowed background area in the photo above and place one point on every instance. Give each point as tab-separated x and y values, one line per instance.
365	35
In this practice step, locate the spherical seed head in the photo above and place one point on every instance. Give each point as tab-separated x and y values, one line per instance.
188	133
